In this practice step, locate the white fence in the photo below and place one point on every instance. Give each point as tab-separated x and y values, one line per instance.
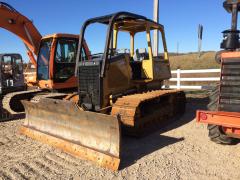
179	79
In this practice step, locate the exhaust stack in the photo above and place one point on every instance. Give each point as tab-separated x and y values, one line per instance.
231	36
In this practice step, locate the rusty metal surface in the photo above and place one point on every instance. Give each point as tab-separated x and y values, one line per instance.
138	112
64	120
98	158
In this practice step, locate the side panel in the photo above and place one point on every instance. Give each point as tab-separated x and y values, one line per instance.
162	69
118	78
227	119
119	74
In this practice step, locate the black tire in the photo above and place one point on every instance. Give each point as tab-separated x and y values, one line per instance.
213	99
215	133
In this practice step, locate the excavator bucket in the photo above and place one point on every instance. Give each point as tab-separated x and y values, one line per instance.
62	124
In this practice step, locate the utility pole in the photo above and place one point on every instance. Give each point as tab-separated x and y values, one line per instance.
200	35
177	48
155	33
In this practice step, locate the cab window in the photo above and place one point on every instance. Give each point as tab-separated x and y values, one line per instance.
43	60
65	58
66	51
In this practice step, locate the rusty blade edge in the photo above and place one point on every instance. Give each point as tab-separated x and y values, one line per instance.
85	153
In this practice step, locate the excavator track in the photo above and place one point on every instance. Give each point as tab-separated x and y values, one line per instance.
140	113
11	102
4	115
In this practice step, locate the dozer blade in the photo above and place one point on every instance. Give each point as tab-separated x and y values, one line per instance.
88	135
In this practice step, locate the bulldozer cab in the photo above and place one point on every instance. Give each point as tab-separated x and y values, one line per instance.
11	75
114	71
141	60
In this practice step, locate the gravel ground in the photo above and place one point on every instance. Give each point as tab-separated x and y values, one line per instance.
181	150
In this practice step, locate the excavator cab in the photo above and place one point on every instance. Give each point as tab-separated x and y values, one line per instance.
11	78
56	61
11	75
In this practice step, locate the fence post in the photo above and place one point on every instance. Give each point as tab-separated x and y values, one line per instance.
178	78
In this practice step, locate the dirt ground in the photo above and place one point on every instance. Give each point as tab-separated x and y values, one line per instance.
181	150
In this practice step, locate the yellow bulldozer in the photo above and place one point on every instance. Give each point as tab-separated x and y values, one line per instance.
118	93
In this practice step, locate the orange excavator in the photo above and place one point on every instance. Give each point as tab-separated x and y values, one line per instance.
53	56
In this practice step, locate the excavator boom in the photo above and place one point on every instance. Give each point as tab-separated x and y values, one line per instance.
15	22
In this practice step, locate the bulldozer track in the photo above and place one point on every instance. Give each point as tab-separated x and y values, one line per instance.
41	168
18	172
140	112
32	164
22	158
5	175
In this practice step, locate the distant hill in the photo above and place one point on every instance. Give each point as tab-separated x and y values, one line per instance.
191	61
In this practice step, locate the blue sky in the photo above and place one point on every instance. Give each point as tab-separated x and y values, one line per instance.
180	18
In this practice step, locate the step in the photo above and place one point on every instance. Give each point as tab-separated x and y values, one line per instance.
230	101
231	78
229	95
231	61
229	89
229	107
227	72
230	83
231	66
